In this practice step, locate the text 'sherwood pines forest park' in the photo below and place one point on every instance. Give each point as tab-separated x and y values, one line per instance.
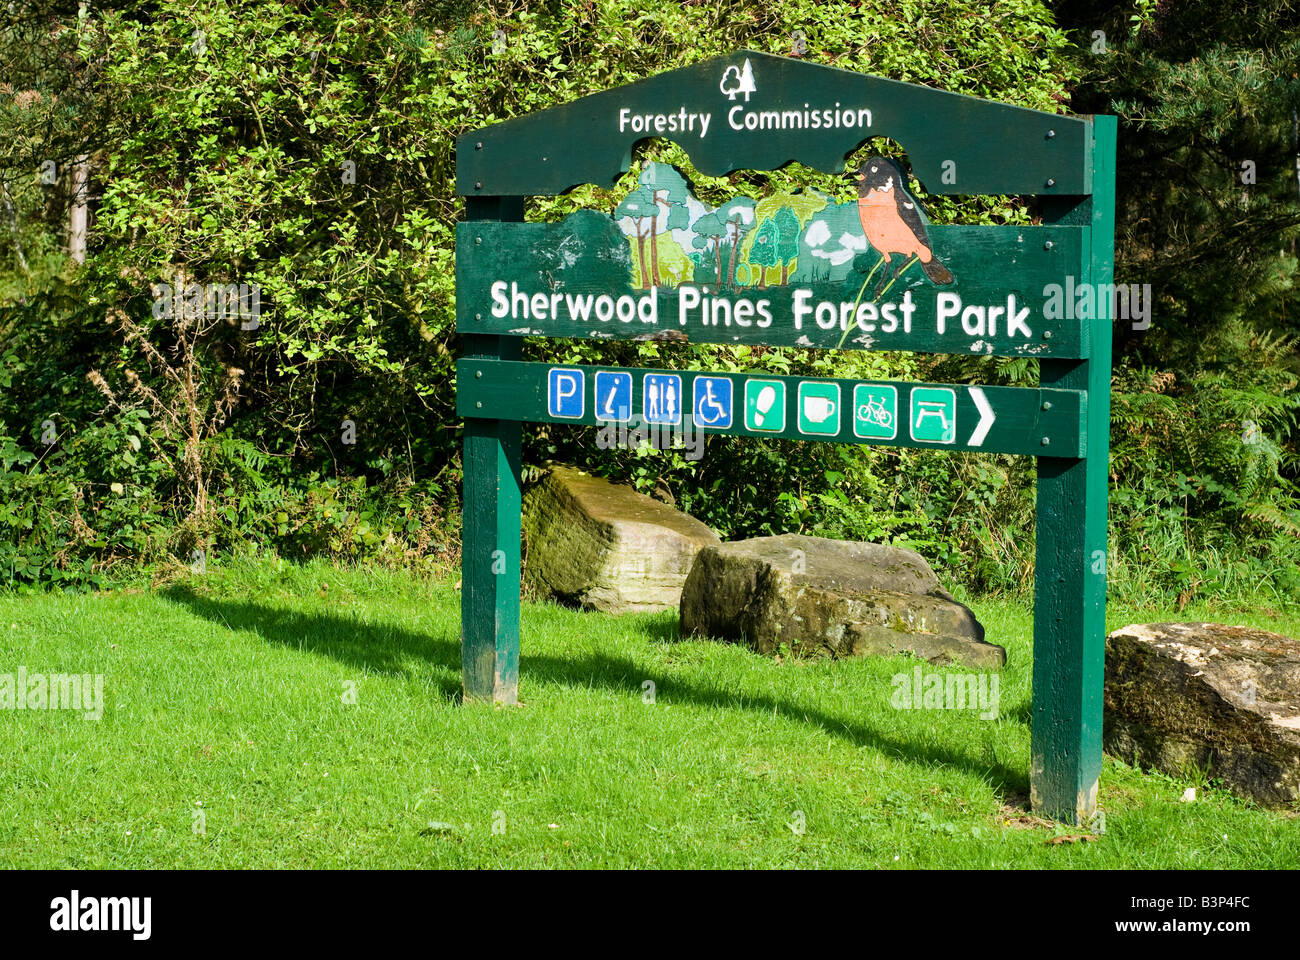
802	271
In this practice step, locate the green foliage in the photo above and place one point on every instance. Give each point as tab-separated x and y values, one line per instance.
310	151
1205	445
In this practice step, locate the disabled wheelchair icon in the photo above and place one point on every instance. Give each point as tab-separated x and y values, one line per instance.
713	402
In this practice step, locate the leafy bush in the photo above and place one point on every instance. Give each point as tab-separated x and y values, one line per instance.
310	151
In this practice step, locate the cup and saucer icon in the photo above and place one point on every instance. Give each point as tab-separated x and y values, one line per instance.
819	408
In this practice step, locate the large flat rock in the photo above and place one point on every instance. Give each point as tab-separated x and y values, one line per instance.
830	598
1184	697
600	546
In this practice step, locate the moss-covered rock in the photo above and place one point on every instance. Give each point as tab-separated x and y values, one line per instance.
830	598
600	546
1185	698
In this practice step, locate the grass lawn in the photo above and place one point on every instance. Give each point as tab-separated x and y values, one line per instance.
226	741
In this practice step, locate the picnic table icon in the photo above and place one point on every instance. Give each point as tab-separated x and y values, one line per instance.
933	408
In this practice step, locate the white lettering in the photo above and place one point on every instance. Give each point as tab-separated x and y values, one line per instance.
1016	319
801	308
500	304
946	306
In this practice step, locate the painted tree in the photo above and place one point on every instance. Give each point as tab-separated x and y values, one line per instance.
640	207
747	80
763	253
710	231
795	210
737	214
671	194
787	244
803	204
668	215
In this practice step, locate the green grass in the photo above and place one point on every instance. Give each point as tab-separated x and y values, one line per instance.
228	692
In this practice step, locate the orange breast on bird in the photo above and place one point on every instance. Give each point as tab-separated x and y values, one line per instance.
886	230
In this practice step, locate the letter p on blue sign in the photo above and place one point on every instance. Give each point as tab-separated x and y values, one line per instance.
565	393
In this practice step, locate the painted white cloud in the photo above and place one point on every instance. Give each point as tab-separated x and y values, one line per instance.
836	257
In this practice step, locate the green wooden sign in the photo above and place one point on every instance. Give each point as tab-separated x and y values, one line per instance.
754	111
801	270
938	416
586	277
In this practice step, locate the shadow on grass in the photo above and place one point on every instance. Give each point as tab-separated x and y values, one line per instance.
374	647
381	648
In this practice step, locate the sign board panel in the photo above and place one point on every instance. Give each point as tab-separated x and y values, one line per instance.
707	280
787	110
1015	420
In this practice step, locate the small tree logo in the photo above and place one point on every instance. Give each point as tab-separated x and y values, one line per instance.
738	80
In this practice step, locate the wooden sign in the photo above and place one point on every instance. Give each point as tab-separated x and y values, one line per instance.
869	272
783	110
797	270
937	416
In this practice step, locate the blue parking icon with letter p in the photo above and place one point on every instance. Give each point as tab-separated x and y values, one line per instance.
565	396
712	402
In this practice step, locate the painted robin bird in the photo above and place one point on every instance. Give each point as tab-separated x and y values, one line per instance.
891	220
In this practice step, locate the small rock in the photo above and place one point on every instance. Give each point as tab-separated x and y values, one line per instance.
600	546
1184	697
830	598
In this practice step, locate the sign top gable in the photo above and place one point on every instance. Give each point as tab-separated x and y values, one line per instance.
758	111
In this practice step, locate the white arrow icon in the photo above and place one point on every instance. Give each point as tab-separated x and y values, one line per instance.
986	417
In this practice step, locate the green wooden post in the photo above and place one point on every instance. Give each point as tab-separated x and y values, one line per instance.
1070	578
490	522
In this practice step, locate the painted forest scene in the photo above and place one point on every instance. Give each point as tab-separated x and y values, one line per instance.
676	238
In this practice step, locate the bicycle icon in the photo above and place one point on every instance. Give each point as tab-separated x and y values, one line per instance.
874	411
713	402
